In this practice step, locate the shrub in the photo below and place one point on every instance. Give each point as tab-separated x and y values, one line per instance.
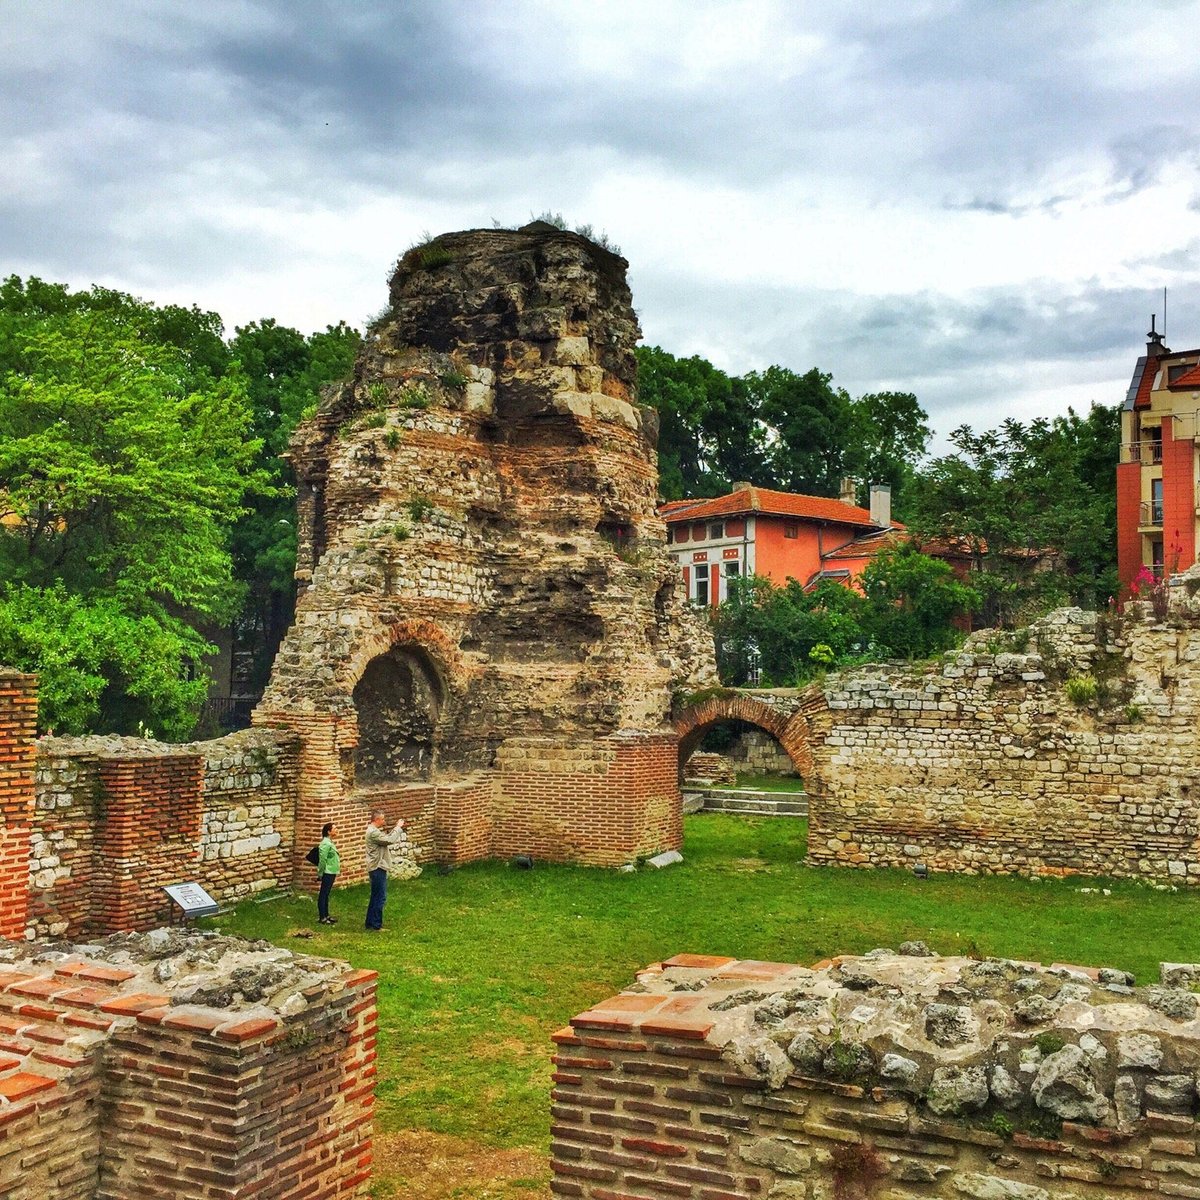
393	439
1081	690
1049	1043
453	378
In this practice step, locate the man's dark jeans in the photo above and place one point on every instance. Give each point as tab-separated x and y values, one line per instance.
375	905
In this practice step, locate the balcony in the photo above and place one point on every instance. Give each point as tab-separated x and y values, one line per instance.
1150	514
1146	453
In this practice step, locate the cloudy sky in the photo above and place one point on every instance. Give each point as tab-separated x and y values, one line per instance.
977	201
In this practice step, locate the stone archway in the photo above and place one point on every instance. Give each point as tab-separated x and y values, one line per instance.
787	723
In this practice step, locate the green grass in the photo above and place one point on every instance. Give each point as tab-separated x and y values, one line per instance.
769	783
478	967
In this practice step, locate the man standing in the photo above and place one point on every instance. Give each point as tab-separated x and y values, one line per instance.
379	863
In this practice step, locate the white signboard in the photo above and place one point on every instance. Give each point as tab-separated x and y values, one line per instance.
193	899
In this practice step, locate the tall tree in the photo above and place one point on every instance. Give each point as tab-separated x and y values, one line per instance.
809	423
124	460
708	436
1034	504
887	437
285	373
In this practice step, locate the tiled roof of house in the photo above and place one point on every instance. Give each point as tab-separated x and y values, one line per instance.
877	541
764	500
1188	380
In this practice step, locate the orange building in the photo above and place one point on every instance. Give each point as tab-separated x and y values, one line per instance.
780	535
1156	475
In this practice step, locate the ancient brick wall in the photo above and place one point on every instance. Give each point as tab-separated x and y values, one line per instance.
117	819
200	1067
886	1077
755	750
148	835
18	718
1068	747
248	813
63	864
603	802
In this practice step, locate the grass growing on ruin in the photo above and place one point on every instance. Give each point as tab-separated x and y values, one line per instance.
478	967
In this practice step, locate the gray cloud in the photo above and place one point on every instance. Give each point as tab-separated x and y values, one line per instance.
142	137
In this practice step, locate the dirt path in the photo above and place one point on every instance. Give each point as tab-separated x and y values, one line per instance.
435	1166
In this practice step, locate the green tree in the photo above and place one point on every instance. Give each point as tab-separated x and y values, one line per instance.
887	437
809	423
285	372
778	630
708	436
125	457
913	602
1035	507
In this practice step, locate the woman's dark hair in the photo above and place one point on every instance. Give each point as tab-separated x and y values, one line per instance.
326	828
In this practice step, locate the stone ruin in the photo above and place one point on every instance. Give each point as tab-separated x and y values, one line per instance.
892	1075
183	1064
489	629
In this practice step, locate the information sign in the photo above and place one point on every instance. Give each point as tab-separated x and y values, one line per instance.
193	899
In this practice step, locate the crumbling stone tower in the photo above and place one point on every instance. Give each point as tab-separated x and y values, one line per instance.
489	629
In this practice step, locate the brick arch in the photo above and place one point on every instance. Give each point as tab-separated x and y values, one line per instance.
790	729
421	635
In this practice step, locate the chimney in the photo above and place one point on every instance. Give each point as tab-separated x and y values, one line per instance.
881	504
1156	347
848	494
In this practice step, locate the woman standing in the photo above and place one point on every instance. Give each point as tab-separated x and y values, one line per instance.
328	865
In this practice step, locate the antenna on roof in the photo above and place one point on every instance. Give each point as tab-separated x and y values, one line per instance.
1164	313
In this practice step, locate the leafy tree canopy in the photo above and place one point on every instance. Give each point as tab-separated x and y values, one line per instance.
1035	504
125	457
907	608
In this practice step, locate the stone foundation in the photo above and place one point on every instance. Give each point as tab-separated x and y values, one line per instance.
186	1065
707	768
891	1076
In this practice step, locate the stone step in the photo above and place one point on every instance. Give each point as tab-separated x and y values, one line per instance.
749	794
761	804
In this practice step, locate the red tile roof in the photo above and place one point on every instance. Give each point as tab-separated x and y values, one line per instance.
877	541
763	500
1189	379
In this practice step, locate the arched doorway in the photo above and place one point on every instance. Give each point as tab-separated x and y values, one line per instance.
786	724
398	701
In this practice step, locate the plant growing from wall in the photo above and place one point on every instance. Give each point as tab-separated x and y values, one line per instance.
1081	690
855	1168
419	507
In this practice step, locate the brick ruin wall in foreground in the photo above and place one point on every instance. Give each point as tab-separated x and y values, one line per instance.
985	763
184	1065
888	1077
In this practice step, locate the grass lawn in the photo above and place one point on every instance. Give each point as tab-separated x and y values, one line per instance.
770	783
478	967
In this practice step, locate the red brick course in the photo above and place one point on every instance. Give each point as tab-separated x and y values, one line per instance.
18	720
